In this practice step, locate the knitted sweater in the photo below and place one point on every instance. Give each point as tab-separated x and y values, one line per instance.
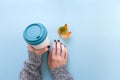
31	70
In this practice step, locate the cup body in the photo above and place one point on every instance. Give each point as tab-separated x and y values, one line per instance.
36	35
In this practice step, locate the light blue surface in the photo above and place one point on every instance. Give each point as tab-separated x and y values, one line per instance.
94	45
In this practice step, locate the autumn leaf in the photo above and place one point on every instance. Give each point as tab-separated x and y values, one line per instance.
63	31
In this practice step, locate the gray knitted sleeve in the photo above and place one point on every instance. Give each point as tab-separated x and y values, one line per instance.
31	69
60	73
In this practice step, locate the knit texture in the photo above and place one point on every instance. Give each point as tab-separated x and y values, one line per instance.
60	73
31	70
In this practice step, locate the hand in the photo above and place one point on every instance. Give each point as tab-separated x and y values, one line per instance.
37	51
58	57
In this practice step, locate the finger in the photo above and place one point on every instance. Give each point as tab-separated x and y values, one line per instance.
65	57
66	53
54	48
63	51
41	51
58	48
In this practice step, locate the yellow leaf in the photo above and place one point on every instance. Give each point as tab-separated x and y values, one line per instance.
63	31
66	27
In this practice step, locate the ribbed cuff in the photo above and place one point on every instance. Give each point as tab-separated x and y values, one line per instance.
60	73
34	58
58	70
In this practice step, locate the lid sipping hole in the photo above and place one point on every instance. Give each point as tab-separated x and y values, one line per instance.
37	37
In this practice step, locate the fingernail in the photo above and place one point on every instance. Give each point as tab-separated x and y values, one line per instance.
48	46
54	40
64	45
58	40
61	43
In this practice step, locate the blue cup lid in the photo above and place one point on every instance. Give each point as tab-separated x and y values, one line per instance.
35	34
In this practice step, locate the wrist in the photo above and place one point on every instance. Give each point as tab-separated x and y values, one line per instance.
34	58
58	70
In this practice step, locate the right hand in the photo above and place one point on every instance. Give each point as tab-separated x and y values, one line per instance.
58	57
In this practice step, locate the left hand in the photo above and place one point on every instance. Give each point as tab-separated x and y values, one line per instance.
37	51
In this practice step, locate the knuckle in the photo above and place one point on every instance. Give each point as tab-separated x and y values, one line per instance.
36	52
58	59
63	52
58	48
53	58
54	50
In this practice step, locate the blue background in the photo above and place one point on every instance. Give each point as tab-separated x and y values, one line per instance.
94	45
